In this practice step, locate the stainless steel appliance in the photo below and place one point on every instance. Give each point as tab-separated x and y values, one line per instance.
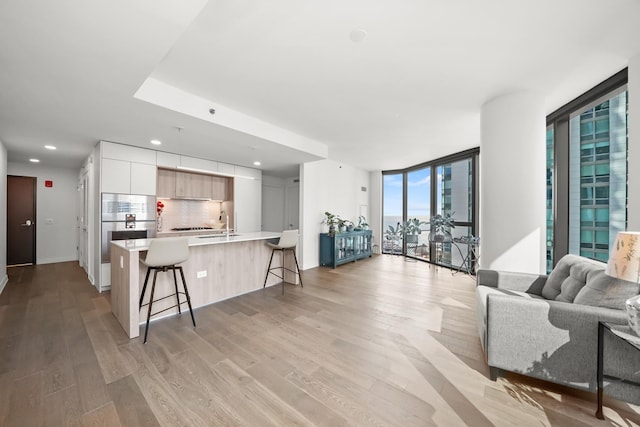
124	217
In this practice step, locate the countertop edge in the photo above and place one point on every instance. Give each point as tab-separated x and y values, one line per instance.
143	244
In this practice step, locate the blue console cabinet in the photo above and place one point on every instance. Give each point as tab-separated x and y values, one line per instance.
344	247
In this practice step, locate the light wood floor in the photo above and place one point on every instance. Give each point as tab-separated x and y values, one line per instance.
378	342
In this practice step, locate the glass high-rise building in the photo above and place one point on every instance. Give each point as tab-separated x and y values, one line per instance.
597	176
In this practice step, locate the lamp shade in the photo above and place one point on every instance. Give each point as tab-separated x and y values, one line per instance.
624	259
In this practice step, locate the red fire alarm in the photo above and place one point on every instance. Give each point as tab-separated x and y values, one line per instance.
48	183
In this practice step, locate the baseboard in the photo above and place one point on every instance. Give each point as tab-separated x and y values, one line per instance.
54	260
3	282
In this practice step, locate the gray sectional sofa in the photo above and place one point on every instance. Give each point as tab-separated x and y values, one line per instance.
546	327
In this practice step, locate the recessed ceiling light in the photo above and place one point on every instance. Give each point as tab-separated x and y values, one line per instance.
156	142
34	160
358	35
256	163
50	147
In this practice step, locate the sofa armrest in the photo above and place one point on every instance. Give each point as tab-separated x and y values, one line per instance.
523	282
550	340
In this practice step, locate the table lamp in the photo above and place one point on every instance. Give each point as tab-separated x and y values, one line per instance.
624	263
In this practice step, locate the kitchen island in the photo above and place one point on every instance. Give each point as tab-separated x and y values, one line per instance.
219	267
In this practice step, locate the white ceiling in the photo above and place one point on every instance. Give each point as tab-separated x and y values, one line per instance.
285	78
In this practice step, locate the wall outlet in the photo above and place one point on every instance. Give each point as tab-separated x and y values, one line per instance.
201	274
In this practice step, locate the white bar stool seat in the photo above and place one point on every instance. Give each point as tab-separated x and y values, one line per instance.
164	254
288	241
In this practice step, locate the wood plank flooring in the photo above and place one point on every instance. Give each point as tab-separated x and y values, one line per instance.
381	342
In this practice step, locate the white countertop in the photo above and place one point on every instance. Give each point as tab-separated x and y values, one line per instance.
214	239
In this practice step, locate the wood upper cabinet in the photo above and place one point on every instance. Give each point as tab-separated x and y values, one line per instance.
193	185
189	185
219	187
166	183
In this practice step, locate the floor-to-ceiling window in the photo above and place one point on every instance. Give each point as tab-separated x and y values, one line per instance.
550	211
445	186
392	211
587	149
455	198
419	206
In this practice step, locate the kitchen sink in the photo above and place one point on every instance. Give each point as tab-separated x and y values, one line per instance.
215	236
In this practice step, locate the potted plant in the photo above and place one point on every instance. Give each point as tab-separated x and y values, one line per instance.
393	235
362	224
342	224
331	220
411	228
440	226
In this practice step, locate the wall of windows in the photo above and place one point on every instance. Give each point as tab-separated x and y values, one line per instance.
587	149
444	186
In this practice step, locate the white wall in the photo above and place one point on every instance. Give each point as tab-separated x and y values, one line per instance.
55	241
328	186
3	216
512	183
633	189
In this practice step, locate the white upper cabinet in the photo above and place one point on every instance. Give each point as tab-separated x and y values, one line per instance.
143	179
116	176
128	153
226	168
198	164
168	160
241	171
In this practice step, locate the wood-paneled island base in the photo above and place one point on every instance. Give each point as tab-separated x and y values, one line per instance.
234	265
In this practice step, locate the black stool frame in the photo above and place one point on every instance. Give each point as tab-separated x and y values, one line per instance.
283	268
177	294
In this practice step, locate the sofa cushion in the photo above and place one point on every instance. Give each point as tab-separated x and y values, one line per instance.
568	277
606	291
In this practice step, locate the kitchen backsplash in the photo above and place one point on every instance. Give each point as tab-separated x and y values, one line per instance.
190	213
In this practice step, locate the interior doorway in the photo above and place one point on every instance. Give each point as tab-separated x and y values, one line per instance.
21	220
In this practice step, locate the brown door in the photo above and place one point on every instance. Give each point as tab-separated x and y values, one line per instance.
21	220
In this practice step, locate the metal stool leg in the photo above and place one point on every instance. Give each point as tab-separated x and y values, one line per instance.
186	293
297	267
153	289
268	269
175	285
144	288
282	250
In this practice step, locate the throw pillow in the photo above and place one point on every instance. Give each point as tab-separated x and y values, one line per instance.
606	291
568	277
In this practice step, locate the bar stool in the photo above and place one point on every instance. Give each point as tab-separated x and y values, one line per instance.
164	254
288	241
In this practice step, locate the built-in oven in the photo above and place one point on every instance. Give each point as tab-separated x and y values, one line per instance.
125	217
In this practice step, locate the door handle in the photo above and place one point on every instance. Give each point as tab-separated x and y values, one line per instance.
27	223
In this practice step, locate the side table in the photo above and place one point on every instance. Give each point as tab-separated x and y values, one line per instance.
626	335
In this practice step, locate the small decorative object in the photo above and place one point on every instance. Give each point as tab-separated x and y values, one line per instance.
624	263
362	223
331	220
159	208
633	311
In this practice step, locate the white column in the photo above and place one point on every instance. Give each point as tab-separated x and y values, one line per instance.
513	183
633	202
